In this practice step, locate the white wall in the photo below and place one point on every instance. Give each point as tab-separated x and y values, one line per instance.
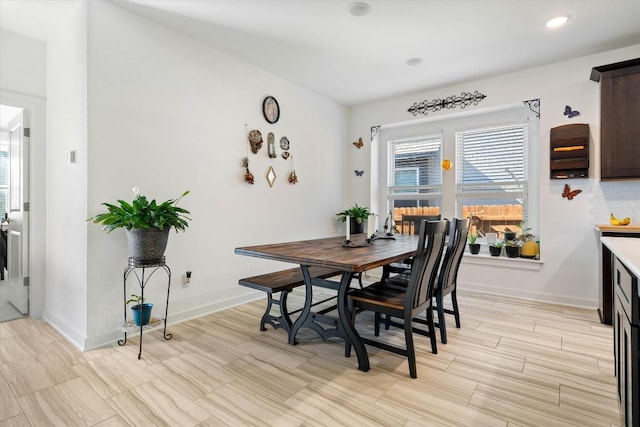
22	84
167	113
23	64
66	253
568	241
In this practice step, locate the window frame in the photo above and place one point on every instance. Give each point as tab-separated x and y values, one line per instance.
447	125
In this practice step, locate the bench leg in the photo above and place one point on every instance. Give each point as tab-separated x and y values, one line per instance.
283	320
266	317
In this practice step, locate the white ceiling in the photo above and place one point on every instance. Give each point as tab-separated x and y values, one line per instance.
354	60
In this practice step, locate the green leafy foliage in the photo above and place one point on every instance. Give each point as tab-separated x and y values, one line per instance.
358	213
142	213
135	298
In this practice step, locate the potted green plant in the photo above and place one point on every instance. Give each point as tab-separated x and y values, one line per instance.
512	248
529	247
141	310
357	215
474	247
496	248
147	224
509	234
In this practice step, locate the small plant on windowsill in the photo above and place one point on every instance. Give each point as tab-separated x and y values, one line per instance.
496	248
474	246
512	248
529	247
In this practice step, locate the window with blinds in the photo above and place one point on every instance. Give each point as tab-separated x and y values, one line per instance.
415	173
493	163
489	179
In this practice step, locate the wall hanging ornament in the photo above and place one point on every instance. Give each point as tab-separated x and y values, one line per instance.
255	140
568	193
358	173
293	178
463	100
271	109
534	106
358	143
374	131
271	145
570	113
248	176
271	176
446	162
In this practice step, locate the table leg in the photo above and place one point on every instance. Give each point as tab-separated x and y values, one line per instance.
348	328
306	310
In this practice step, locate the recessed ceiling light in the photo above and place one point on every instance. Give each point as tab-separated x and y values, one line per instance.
558	21
414	61
359	8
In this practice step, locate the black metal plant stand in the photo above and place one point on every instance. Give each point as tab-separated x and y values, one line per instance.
143	279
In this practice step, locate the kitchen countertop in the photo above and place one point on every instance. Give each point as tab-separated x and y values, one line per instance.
627	250
618	228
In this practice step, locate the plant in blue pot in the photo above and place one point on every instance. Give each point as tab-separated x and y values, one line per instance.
141	310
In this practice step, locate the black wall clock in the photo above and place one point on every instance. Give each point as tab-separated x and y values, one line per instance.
270	109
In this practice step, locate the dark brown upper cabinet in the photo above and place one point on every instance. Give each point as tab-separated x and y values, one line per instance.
619	119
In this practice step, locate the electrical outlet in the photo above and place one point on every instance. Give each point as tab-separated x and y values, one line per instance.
186	278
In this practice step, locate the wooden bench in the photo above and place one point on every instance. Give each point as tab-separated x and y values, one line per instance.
284	282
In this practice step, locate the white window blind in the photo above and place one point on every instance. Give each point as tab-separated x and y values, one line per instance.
493	162
415	167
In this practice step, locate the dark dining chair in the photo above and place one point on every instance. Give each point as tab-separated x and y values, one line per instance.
406	303
447	276
410	224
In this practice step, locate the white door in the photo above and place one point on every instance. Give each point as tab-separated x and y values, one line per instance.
18	228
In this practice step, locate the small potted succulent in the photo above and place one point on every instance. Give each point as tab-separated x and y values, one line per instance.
357	215
474	247
509	234
141	310
495	249
512	248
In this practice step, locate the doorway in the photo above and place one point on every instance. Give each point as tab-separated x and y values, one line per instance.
9	310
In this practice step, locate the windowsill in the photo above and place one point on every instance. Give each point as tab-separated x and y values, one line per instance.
502	261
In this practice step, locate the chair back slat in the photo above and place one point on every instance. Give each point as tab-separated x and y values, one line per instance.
453	255
425	263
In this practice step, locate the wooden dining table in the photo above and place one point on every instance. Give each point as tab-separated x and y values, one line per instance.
330	252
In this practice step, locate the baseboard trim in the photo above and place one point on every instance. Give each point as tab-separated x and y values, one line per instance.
64	329
174	318
527	295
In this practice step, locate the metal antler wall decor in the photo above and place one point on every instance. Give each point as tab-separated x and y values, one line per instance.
463	100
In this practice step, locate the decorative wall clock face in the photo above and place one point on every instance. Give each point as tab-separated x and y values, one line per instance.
270	109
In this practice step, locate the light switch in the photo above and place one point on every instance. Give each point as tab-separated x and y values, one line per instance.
71	156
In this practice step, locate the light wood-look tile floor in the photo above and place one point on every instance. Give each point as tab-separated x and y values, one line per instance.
513	363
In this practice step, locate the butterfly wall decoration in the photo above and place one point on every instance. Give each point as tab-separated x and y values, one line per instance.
570	113
359	173
358	143
568	193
